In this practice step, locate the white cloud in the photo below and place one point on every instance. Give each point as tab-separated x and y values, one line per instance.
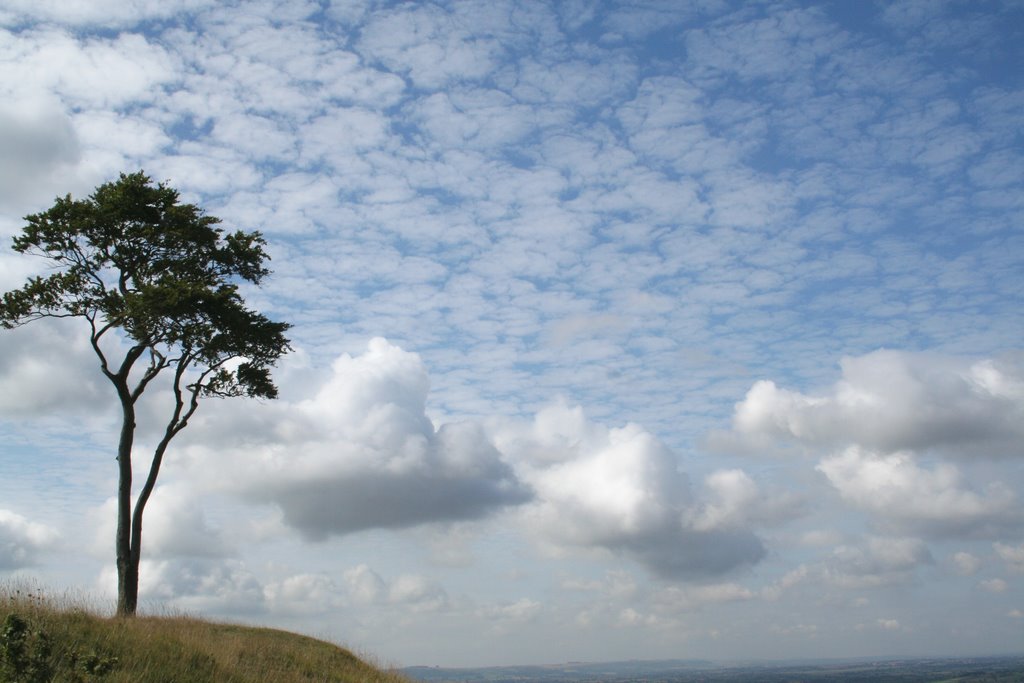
621	489
1012	555
899	491
48	367
360	454
966	564
417	593
522	610
408	591
642	206
477	119
888	624
364	585
199	586
99	12
735	501
876	561
993	585
891	400
790	579
569	83
58	62
21	540
129	137
38	145
303	594
175	524
431	45
339	134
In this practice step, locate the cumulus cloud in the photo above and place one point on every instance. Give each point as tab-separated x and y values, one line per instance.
202	585
621	489
888	624
876	561
37	142
48	368
966	564
175	525
734	500
993	585
229	586
1011	555
364	585
362	454
21	540
892	400
901	492
859	564
412	592
303	594
892	422
547	200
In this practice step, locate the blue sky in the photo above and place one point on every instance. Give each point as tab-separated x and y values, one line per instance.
622	330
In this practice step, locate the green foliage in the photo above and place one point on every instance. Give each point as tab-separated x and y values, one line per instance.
27	655
132	257
24	653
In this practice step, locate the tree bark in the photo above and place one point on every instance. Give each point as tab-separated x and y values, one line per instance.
127	560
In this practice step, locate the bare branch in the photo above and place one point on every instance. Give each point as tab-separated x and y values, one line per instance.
158	362
94	339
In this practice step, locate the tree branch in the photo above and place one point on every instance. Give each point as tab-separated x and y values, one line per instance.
177	422
94	339
157	363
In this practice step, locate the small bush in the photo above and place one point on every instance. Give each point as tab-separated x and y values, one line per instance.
27	655
24	652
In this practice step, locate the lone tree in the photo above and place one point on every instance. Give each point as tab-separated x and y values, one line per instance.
135	263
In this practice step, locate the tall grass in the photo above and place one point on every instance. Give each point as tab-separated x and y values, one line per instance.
44	639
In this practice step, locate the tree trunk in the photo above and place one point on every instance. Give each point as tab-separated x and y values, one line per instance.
127	557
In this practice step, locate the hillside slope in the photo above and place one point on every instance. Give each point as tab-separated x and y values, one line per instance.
41	641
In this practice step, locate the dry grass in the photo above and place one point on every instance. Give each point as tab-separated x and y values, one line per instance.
77	641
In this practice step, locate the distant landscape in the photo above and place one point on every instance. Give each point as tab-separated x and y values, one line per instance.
961	669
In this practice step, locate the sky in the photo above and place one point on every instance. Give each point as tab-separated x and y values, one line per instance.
622	330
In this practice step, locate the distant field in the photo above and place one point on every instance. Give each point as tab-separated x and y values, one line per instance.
961	670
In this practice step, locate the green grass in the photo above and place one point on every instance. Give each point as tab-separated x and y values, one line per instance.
44	640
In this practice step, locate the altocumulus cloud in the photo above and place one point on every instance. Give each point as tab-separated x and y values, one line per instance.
637	205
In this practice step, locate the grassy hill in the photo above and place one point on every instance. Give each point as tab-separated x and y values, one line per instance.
42	640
